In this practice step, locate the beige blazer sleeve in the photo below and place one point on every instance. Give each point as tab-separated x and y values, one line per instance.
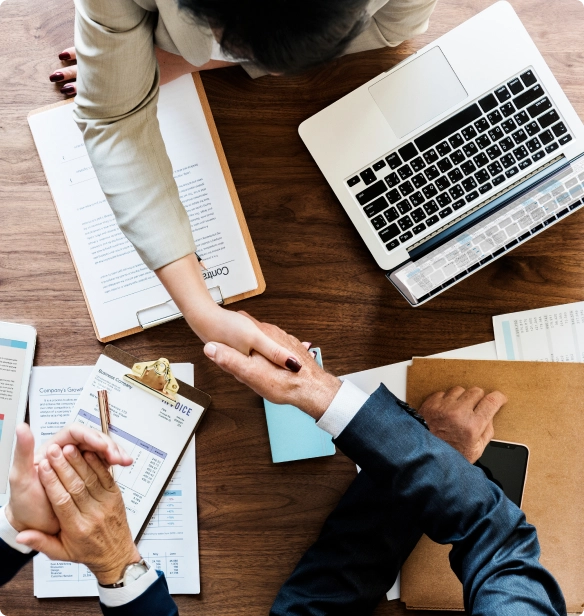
116	111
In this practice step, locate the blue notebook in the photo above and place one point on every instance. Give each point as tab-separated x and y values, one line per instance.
294	435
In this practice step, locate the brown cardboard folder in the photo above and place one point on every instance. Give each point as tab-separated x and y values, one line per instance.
545	411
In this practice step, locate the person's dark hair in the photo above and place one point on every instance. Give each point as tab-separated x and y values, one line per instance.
282	36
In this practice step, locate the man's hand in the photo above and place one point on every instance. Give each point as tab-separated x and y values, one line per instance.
463	418
91	513
311	390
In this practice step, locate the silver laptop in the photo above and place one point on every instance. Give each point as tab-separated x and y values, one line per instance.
455	156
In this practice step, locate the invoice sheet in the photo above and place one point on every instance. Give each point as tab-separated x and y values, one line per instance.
170	543
394	377
544	334
116	282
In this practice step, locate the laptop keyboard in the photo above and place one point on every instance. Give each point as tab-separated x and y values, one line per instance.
455	163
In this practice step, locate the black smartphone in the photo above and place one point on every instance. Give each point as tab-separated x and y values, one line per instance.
506	465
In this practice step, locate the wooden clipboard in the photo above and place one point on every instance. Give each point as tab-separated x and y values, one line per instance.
232	193
186	391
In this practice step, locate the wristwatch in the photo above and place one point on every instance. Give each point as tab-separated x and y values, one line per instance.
132	572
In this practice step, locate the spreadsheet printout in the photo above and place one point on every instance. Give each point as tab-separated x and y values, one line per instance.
170	543
545	334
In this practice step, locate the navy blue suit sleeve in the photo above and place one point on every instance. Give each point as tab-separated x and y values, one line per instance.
495	552
154	601
11	562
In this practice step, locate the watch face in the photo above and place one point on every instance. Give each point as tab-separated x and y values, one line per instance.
134	571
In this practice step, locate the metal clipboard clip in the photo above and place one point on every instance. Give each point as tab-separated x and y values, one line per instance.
168	310
154	377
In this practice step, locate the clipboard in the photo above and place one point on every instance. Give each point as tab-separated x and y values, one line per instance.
187	391
150	316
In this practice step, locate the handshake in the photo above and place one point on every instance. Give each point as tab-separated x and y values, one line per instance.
65	503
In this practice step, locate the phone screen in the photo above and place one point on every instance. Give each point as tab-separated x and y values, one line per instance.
506	465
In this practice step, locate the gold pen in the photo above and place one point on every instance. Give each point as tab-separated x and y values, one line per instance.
104	415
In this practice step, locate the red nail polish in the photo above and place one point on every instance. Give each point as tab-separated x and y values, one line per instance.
56	77
293	365
68	89
65	55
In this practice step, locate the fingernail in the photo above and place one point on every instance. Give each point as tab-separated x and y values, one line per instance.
293	364
55	451
57	77
68	89
210	350
73	452
65	55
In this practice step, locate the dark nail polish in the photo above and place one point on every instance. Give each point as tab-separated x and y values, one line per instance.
293	365
68	90
65	56
56	77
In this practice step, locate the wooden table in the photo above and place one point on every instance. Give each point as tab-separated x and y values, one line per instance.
256	518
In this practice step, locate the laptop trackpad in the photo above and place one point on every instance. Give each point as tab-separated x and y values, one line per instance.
418	92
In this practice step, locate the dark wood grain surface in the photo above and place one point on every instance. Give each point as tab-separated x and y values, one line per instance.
256	518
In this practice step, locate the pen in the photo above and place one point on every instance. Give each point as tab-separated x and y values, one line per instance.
201	262
104	415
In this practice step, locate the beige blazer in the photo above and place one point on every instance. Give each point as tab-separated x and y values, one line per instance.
117	96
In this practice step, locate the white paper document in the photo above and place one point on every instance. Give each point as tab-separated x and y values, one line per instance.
545	334
170	543
394	377
116	282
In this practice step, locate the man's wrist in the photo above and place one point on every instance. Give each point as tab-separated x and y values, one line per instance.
18	526
114	572
320	394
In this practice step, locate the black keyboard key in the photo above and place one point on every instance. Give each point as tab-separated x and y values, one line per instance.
482	176
485	188
405	223
506	144
525	163
480	160
455	175
418	164
354	181
533	144
502	94
483	142
443	148
418	215
442	183
469	184
405	237
488	103
519	136
393	196
393	160
379	165
508	126
429	191
471	197
448	127
405	172
393	244
444	165
515	86
549	118
378	222
507	160
469	133
468	167
389	233
443	200
528	78
507	109
563	140
430	207
404	207
419	228
494	117
470	149
375	207
496	133
539	107
391	214
458	204
511	172
456	191
430	156
481	125
538	155
446	212
495	168
498	180
406	188
391	180
532	128
559	129
371	192
408	151
552	147
457	157
417	199
494	152
521	118
529	96
419	180
546	137
524	236
432	173
456	141
520	153
368	176
432	220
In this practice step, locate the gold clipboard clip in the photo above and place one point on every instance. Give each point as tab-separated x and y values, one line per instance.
154	377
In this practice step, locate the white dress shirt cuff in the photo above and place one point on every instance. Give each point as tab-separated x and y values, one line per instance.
8	534
342	409
114	597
